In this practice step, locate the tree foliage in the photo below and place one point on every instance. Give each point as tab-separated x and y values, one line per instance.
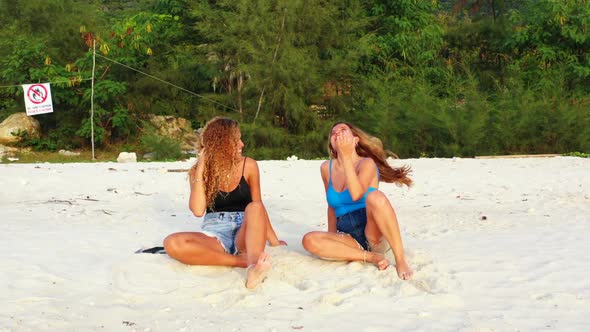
434	78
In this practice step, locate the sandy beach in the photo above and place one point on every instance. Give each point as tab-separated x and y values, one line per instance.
496	245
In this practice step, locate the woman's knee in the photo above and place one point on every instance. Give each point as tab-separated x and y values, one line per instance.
377	199
172	244
310	241
254	208
255	213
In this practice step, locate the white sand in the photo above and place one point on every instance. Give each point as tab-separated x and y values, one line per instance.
69	232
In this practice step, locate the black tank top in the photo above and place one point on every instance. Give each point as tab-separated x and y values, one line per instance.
235	200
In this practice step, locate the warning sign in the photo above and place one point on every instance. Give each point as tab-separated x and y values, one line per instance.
38	98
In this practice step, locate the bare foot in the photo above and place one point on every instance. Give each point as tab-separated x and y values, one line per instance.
403	270
378	259
279	243
257	272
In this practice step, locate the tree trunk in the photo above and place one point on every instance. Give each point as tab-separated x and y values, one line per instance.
274	57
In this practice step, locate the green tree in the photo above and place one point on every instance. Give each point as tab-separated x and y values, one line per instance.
274	58
406	36
551	37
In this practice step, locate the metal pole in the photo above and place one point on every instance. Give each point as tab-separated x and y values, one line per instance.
92	98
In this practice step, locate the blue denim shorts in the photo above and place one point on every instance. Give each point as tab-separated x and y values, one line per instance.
353	223
223	226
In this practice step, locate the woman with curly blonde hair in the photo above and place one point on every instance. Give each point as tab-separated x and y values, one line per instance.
361	220
225	188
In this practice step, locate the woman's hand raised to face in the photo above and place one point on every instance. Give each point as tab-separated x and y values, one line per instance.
345	144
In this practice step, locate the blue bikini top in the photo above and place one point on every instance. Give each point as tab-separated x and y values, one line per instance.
342	202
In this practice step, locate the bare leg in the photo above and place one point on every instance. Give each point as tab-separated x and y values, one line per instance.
337	246
251	238
199	249
382	222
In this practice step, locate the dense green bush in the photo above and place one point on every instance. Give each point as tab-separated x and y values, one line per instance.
162	148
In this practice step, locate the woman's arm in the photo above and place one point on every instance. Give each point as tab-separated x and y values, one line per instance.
252	175
365	176
197	202
271	236
358	177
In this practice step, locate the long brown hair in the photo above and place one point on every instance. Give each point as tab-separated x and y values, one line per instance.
372	147
219	140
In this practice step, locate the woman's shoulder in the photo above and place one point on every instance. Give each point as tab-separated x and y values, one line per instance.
325	168
250	165
250	161
367	161
367	164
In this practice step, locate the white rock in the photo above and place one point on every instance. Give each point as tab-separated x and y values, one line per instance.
127	157
68	153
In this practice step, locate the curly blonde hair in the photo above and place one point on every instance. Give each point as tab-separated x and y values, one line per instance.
219	139
372	147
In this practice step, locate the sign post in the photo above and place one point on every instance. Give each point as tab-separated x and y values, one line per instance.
92	98
38	98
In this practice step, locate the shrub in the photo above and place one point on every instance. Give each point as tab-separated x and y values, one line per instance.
163	148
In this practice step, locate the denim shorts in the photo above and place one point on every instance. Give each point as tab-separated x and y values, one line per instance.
223	226
353	223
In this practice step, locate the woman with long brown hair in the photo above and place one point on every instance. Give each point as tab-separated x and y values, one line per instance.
225	188
361	220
